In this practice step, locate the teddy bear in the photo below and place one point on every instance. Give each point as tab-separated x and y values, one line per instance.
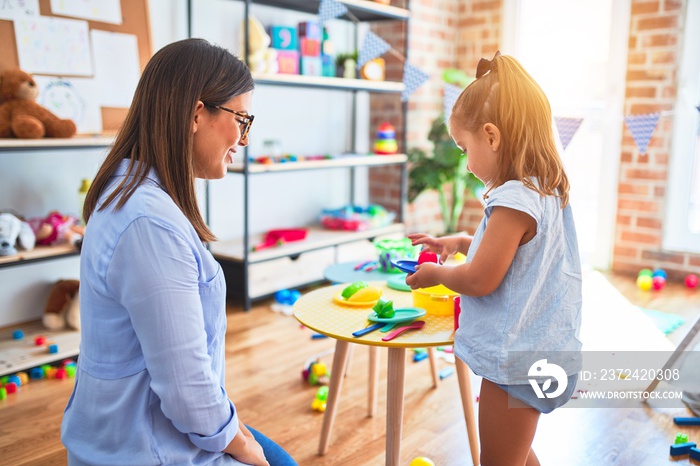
21	116
15	232
261	58
62	306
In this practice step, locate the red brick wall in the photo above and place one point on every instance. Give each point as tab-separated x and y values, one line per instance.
656	33
442	34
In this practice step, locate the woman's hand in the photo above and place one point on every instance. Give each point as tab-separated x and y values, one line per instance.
245	448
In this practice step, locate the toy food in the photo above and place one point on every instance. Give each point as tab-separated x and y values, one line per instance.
353	288
384	308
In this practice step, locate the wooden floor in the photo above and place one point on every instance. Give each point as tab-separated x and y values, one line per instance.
266	352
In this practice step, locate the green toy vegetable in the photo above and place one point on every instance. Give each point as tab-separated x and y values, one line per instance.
353	288
384	309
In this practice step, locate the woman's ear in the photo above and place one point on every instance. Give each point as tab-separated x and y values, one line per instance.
493	136
198	110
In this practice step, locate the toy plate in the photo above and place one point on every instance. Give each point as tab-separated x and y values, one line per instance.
398	282
407	266
403	314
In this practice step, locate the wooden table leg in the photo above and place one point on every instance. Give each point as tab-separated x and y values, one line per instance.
340	360
433	366
465	390
394	404
351	350
373	391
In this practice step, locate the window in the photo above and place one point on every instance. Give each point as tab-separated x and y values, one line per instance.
682	225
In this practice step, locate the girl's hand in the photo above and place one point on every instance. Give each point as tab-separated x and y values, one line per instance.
245	448
426	275
443	247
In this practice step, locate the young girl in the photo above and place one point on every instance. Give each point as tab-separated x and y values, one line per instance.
521	284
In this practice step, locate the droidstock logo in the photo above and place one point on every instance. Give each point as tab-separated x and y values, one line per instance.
543	369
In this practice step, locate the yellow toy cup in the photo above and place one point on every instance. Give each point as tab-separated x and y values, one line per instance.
436	300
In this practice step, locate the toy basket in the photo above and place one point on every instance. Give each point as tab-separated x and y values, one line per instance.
436	300
394	249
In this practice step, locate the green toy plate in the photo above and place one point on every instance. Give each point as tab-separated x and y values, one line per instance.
403	314
398	282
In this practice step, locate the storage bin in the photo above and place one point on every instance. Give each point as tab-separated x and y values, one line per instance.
394	249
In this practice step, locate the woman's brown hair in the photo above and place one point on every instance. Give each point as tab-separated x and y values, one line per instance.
509	98
157	132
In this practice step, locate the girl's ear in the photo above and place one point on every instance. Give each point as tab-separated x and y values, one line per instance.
493	136
198	110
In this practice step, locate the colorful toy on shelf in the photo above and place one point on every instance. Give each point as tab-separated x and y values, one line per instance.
15	233
356	218
310	37
386	140
691	281
319	403
278	237
394	249
261	58
57	228
374	70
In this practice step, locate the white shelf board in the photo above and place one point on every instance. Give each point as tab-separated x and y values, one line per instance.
329	82
39	253
316	238
345	161
20	355
8	144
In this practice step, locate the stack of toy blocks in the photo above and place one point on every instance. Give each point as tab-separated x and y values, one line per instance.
327	56
310	48
284	40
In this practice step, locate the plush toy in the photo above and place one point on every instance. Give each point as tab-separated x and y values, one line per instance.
261	58
21	116
14	232
63	306
57	228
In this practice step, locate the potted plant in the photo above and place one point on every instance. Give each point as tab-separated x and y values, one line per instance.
445	168
343	60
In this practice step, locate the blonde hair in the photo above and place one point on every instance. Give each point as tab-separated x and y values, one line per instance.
509	98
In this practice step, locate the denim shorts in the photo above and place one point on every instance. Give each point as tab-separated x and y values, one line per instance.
526	394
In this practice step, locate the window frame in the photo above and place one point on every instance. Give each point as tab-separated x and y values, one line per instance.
676	234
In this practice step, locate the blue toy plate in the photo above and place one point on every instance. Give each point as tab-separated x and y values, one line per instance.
403	314
407	266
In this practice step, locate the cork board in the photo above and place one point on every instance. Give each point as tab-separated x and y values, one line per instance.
135	20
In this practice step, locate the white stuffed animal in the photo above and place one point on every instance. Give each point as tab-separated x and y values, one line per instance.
15	232
261	58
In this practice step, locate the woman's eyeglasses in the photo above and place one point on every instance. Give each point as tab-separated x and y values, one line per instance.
246	123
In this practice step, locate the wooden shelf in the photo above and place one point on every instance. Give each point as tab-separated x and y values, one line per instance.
363	10
13	144
317	238
325	82
38	254
20	355
345	161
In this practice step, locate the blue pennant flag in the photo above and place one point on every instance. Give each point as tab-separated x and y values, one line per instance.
567	127
372	47
642	127
451	93
330	9
412	80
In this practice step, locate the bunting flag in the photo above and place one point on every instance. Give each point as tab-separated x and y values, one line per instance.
451	92
373	47
642	127
330	9
567	127
412	80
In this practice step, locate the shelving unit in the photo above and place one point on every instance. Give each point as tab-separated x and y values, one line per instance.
251	275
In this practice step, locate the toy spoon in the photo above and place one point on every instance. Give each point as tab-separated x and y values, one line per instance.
415	325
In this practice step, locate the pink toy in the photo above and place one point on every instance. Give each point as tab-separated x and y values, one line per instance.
56	228
427	256
691	281
277	237
458	309
658	283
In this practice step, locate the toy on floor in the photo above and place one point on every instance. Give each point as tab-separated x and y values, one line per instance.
21	116
316	373
386	140
421	461
691	281
319	403
62	306
15	233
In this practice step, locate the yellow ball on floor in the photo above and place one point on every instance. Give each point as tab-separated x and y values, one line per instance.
644	282
421	461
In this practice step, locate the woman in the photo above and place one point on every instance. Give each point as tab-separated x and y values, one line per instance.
150	381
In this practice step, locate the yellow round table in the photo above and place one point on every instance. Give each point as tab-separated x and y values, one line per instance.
318	311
